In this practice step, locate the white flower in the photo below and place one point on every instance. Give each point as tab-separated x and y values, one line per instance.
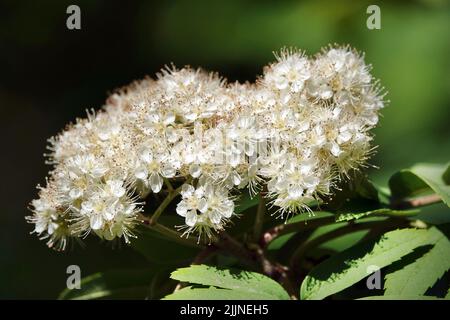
304	123
115	188
110	213
193	204
244	131
45	221
158	123
295	186
154	167
48	222
205	209
290	72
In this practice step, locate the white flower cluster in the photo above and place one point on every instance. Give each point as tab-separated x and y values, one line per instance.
299	128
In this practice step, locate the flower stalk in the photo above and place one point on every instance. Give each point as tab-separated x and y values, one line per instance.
259	218
160	210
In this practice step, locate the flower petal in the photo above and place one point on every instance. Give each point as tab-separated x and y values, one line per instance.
191	218
182	208
96	222
156	182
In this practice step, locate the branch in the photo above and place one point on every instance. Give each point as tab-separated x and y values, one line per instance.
204	255
415	202
259	218
169	233
232	246
276	271
168	185
170	196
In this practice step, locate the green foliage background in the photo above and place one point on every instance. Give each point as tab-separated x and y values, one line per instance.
50	75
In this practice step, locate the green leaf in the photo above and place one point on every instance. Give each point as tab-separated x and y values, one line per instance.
250	285
436	214
119	284
417	277
307	217
383	211
347	240
446	175
393	297
289	242
419	180
343	242
280	241
350	266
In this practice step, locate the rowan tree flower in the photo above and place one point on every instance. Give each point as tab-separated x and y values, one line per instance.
191	136
205	209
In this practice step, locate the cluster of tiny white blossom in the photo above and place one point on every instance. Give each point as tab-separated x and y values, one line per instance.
299	128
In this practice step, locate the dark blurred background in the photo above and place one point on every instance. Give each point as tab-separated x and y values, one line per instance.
49	75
